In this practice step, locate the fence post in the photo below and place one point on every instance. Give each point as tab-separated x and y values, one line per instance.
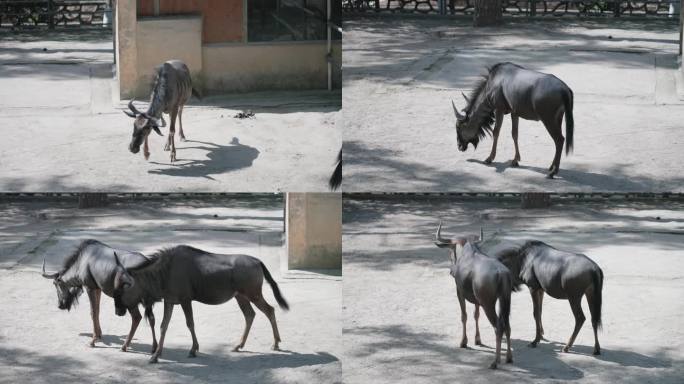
533	8
616	8
51	15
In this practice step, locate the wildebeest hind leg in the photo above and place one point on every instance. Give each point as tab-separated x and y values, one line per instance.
514	134
168	311
497	129
94	297
190	322
172	133
476	315
590	301
180	123
135	320
270	313
248	312
541	306
576	306
536	312
490	311
553	126
464	318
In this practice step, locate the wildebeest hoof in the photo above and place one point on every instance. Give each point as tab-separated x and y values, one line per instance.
493	365
124	348
464	344
514	163
192	354
478	342
488	160
532	344
275	348
147	155
154	359
509	359
566	349
597	352
549	176
237	348
182	138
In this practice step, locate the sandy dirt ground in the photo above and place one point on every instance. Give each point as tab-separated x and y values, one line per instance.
68	132
401	318
41	344
400	74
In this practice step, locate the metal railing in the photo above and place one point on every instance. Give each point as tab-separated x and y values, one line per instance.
52	13
517	7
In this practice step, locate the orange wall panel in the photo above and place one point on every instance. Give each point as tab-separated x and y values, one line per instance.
222	19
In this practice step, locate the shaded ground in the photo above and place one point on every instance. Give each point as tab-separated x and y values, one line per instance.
68	132
41	344
401	319
400	74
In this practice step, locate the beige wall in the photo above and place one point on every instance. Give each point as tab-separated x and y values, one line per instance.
314	230
165	38
263	66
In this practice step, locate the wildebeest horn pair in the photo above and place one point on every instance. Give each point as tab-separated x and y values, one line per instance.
439	240
49	275
160	123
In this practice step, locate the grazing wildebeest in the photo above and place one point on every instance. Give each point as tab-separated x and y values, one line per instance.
92	266
182	274
171	91
562	275
482	280
510	88
336	178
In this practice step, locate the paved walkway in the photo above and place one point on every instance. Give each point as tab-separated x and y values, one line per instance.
402	321
400	74
41	344
65	130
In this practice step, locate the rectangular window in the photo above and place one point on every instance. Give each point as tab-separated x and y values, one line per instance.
291	20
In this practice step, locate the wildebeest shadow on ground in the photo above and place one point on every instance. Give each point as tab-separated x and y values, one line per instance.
116	341
614	180
220	159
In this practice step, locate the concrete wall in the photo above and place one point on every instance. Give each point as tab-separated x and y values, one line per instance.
126	48
314	230
263	66
165	38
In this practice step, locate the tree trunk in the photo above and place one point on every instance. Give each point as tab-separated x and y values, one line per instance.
487	13
92	200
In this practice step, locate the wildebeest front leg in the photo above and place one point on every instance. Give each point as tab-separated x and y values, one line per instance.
146	150
478	341
248	312
190	322
94	297
536	312
540	293
270	313
464	318
168	311
576	306
514	133
172	133
497	127
149	314
180	123
135	320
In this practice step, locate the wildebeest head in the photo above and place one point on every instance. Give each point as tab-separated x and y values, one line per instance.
142	126
122	281
466	132
456	245
67	295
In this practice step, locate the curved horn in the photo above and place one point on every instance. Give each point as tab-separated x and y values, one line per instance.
133	108
466	98
117	260
49	275
439	240
458	114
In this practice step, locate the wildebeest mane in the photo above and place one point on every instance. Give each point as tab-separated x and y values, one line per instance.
71	260
485	115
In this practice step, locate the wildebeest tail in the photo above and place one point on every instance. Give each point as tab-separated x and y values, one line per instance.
569	121
336	178
597	278
274	286
504	294
196	93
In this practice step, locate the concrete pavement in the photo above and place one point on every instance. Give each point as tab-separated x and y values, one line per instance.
401	73
41	344
401	319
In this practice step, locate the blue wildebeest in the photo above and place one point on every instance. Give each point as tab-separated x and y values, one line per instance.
560	274
171	91
92	266
482	280
182	274
510	88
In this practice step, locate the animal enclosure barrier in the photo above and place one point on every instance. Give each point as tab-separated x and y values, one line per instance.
516	7
54	13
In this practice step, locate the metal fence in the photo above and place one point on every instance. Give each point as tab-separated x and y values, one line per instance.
516	7
53	13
